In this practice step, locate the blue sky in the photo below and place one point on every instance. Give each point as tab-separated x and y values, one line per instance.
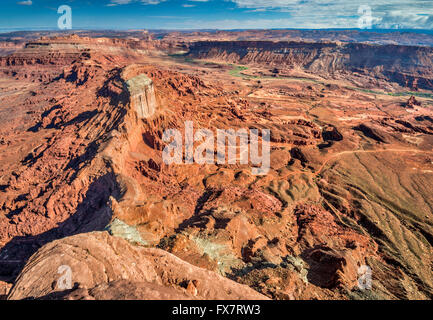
215	14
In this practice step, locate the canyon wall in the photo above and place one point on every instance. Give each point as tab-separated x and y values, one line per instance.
410	66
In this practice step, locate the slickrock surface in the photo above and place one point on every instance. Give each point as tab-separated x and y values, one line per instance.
112	268
126	290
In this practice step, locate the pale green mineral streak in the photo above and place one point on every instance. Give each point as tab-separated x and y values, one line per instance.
120	229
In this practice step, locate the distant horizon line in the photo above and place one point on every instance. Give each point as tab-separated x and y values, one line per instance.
90	29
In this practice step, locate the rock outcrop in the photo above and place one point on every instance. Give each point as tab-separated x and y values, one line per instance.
412	102
4	289
410	66
109	266
142	95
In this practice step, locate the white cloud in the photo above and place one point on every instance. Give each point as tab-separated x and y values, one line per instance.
122	2
25	3
402	19
344	13
265	3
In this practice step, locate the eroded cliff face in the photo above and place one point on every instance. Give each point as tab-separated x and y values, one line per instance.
142	95
409	66
269	52
75	130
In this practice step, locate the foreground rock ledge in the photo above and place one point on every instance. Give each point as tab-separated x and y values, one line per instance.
106	267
